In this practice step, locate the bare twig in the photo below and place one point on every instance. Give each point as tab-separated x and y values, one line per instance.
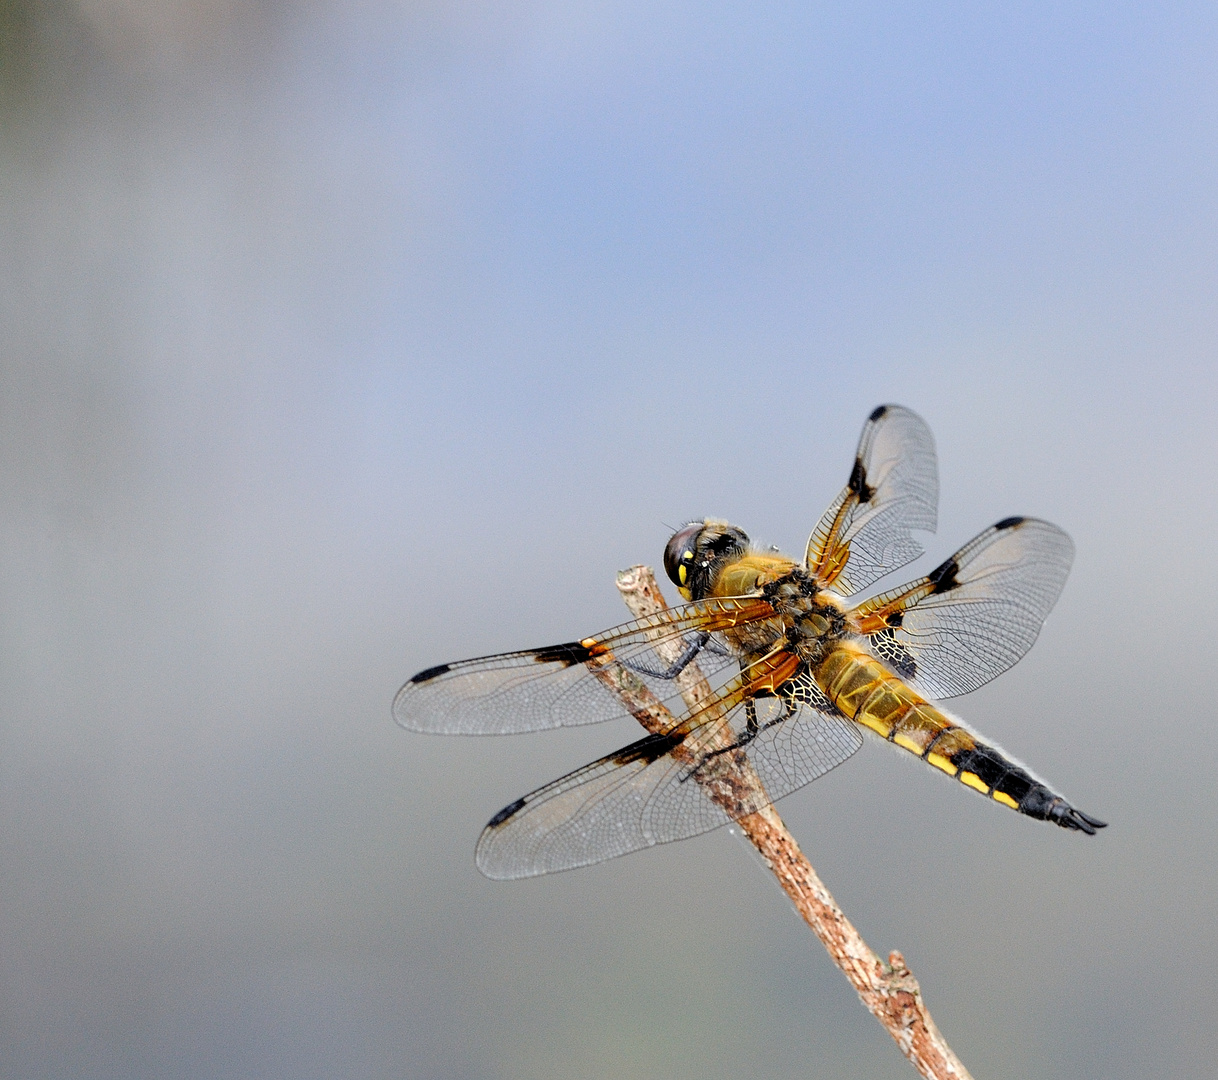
889	990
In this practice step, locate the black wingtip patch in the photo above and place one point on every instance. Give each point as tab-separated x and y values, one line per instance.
508	811
431	673
943	576
1010	522
876	413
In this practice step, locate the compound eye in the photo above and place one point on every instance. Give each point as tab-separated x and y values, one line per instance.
679	555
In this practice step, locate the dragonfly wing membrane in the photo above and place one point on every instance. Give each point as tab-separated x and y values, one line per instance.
626	801
816	737
893	489
795	673
976	614
656	790
538	689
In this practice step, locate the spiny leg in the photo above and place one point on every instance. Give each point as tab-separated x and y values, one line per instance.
691	650
751	727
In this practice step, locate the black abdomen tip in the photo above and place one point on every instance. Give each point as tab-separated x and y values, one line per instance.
1041	803
1070	818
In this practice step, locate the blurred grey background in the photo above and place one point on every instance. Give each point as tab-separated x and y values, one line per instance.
339	340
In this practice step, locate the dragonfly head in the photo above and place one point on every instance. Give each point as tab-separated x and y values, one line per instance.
696	553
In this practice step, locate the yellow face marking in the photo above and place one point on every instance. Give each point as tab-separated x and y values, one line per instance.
975	782
907	742
684	591
1005	799
686	555
940	762
681	573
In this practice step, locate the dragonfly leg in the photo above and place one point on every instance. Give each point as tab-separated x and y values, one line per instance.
751	727
788	711
750	720
750	733
692	648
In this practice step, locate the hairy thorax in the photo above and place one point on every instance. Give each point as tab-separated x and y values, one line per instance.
806	620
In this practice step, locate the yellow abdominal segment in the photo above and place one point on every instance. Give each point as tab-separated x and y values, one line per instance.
867	692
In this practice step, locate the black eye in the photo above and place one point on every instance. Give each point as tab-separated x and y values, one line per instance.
678	554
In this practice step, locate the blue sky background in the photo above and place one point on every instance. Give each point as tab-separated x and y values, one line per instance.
343	339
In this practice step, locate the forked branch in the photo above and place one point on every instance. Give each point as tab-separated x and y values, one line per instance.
888	989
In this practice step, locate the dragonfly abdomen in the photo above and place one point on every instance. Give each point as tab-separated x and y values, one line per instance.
867	692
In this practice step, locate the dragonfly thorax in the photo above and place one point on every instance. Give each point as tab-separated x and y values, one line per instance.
806	619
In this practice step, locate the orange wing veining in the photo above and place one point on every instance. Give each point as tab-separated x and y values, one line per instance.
893	489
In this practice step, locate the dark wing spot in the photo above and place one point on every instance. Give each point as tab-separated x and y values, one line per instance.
943	576
858	482
573	652
1009	523
649	749
507	812
876	413
431	673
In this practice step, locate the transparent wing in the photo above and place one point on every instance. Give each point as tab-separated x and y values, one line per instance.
893	489
666	787
973	616
535	689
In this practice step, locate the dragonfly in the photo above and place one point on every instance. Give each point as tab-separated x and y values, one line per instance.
801	669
